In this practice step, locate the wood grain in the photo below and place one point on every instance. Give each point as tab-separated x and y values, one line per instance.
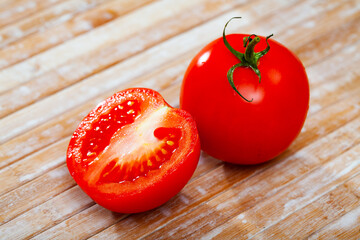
40	22
59	59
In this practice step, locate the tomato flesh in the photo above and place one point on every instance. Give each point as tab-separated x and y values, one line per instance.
99	136
117	171
134	152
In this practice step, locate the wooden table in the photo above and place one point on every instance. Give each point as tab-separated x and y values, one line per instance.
58	59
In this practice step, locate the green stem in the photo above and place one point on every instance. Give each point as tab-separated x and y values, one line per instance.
249	51
249	59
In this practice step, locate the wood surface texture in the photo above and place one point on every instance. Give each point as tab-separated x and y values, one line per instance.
60	58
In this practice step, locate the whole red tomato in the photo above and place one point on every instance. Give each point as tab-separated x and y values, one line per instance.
133	152
241	119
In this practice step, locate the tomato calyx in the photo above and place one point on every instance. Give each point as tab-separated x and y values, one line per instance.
248	59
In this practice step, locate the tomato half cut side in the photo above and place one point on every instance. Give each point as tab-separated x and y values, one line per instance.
134	152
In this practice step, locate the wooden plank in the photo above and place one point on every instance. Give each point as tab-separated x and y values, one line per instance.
327	120
334	66
324	44
41	21
344	81
35	192
78	226
16	10
345	227
319	213
347	11
4	4
290	199
348	85
66	26
47	214
33	166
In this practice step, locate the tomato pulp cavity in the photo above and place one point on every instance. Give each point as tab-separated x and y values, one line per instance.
133	152
260	124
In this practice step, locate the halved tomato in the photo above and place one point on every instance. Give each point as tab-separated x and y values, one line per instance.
133	152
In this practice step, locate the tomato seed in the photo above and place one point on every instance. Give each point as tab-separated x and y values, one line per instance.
149	163
89	154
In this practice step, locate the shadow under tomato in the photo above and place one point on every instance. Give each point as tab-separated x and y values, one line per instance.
137	225
252	170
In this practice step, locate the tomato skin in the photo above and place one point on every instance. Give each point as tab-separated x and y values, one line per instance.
232	129
158	185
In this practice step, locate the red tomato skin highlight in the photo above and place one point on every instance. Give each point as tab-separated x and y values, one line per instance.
232	129
159	185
